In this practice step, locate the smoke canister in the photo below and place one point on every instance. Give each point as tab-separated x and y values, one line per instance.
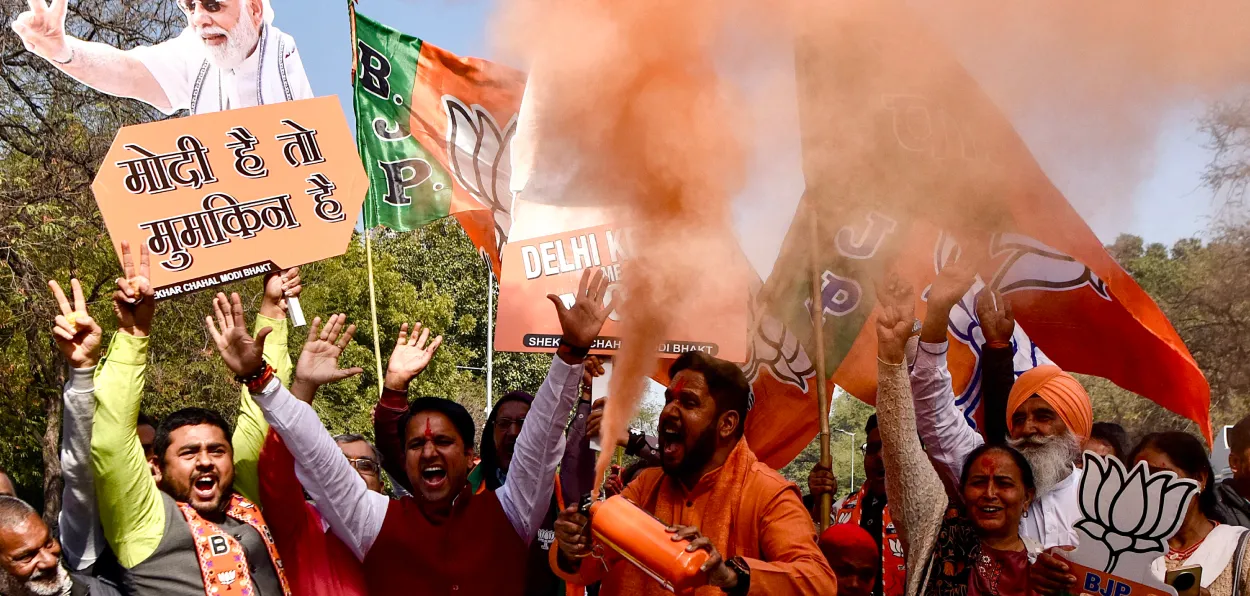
642	539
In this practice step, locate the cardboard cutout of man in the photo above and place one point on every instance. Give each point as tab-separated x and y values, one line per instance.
230	56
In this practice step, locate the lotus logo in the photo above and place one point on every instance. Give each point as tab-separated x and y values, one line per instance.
1130	512
477	150
227	577
896	547
775	348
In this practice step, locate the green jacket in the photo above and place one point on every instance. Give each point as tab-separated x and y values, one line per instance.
131	511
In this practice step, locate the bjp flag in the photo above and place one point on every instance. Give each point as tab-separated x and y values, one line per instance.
907	162
434	131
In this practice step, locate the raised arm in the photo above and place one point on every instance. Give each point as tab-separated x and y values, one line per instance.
99	66
577	466
998	371
251	428
354	512
910	479
410	356
526	495
131	511
947	436
78	337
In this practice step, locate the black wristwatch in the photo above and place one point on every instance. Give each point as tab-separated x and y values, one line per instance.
739	566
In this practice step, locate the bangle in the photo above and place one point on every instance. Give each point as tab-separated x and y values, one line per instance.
256	375
67	60
577	351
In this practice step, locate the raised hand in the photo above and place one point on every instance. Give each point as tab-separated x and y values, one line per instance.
581	324
280	285
896	319
821	481
134	302
998	323
953	282
410	357
42	29
319	362
244	355
76	333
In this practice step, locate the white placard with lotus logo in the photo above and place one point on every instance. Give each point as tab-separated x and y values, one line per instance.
1128	515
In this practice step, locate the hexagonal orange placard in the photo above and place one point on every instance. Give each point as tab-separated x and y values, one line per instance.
223	196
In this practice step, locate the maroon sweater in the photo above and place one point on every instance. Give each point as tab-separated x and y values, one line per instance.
475	551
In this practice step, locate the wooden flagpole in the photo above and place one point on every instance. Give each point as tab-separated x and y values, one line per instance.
822	380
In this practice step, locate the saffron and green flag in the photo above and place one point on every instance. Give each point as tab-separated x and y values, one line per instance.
434	130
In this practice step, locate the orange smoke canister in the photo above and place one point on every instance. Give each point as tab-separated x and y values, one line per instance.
638	536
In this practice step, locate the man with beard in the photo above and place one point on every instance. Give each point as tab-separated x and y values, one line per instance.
868	510
712	492
1233	494
1048	413
229	56
443	539
30	557
190	532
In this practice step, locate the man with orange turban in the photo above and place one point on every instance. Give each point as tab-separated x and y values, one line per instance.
1048	413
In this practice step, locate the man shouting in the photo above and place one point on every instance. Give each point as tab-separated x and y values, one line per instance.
714	494
229	56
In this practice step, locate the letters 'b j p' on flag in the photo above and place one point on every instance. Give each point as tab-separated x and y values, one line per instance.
434	131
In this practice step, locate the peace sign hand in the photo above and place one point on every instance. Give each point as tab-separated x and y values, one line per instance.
76	333
42	29
410	357
134	301
896	318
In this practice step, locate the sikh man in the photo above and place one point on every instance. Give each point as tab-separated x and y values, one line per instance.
444	539
1048	416
712	492
30	558
192	531
229	56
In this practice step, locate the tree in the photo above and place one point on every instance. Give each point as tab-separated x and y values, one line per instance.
847	415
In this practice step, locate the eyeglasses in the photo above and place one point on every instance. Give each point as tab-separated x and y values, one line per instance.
364	464
874	449
210	6
507	423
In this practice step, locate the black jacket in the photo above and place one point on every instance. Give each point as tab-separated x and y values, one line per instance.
1231	507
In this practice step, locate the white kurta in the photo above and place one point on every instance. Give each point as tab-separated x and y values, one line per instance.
272	74
949	440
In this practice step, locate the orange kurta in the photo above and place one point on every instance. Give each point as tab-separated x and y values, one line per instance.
769	528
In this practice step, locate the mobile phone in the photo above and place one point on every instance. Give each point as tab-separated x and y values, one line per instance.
1187	581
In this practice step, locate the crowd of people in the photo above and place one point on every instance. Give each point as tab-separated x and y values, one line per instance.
274	503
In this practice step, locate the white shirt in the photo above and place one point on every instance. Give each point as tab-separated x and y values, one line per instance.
1051	518
177	64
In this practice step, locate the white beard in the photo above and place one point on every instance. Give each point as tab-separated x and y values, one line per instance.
1050	457
239	42
58	584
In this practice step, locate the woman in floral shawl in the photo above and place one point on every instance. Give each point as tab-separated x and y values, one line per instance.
971	547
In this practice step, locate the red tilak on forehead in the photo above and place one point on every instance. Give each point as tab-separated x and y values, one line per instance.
989	464
429	434
678	385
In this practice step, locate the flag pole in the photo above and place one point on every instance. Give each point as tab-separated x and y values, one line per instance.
490	332
373	300
822	381
373	307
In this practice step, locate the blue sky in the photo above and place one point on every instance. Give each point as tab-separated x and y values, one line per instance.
1167	205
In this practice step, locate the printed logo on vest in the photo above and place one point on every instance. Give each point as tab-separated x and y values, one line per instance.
217	545
227	577
546	537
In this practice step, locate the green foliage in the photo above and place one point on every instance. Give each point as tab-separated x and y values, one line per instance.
847	415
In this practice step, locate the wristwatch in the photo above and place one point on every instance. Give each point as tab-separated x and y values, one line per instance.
739	566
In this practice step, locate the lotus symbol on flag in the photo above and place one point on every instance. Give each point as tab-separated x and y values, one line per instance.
477	149
1130	512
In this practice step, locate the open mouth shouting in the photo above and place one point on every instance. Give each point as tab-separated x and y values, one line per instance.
672	442
433	477
204	487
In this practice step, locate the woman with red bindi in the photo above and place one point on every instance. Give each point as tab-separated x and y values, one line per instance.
977	549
